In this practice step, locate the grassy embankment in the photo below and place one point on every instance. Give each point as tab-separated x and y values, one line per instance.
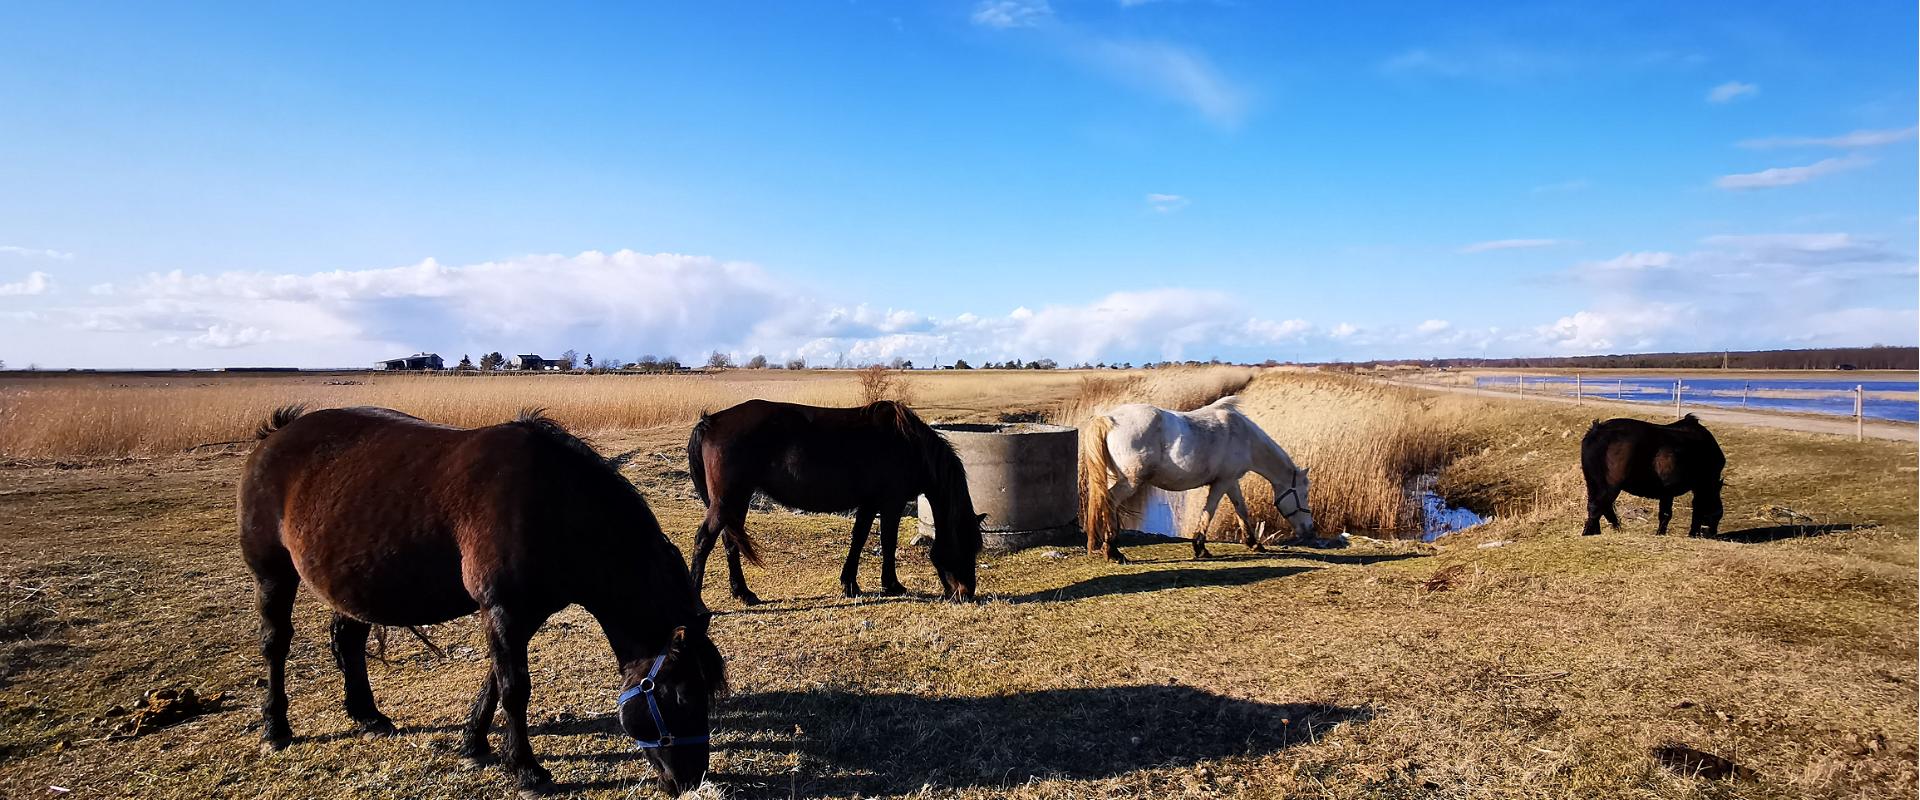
1546	667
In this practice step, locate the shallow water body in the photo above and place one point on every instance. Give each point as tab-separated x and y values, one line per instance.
1809	396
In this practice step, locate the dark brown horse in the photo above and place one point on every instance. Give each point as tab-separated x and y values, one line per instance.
1659	462
870	460
396	521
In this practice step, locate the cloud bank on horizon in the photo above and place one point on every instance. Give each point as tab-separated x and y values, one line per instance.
1755	290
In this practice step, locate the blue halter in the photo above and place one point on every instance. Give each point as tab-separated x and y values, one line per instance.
645	688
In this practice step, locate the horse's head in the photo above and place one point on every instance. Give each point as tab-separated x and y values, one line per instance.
1290	502
667	701
956	546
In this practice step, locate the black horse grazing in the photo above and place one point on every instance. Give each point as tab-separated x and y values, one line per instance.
870	460
1660	462
396	521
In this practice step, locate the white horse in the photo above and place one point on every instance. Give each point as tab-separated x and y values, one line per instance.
1137	446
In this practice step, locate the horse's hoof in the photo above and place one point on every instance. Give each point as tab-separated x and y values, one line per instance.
534	781
747	599
274	744
851	590
1116	558
893	590
472	758
376	727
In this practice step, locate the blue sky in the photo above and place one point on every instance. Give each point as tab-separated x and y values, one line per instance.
1100	180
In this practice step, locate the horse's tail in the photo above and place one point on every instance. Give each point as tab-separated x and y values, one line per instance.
1096	466
280	418
697	471
696	460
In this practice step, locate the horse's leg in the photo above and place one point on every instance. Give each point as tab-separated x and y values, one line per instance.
1214	492
1604	504
736	577
1613	518
889	541
1666	513
479	720
1247	530
1597	507
507	638
703	540
850	574
350	655
275	585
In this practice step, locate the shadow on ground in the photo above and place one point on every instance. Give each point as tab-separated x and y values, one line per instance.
1153	580
868	744
1777	532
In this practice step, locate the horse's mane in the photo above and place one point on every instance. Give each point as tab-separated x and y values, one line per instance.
942	463
536	419
280	418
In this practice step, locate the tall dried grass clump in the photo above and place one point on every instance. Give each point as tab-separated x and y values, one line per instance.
1362	441
879	383
1177	388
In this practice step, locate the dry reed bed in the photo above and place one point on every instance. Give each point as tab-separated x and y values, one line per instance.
115	416
1362	440
55	418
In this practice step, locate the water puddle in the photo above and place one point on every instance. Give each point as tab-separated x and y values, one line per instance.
1166	513
1163	515
1438	519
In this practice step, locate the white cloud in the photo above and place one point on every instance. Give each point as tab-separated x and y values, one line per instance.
1731	90
1172	72
1855	139
35	283
1011	13
1629	262
1434	326
1789	176
1510	244
1575	185
1741	291
1344	330
1484	61
35	252
1167	203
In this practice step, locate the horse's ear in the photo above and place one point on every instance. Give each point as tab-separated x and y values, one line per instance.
677	642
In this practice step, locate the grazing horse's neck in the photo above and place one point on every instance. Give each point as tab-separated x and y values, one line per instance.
1268	459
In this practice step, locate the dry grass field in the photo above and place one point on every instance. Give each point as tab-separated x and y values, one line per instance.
1550	666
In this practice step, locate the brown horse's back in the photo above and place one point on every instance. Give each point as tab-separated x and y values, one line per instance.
381	513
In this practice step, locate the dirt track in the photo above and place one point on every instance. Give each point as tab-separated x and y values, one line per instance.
1875	429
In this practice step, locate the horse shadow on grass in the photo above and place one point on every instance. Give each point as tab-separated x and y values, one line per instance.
858	744
1154	580
1773	533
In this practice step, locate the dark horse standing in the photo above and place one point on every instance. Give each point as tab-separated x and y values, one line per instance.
396	521
1660	462
870	460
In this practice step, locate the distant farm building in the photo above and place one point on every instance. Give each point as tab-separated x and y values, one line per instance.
415	362
533	362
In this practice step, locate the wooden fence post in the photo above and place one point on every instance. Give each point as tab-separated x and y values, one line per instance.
1676	400
1576	386
1743	393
